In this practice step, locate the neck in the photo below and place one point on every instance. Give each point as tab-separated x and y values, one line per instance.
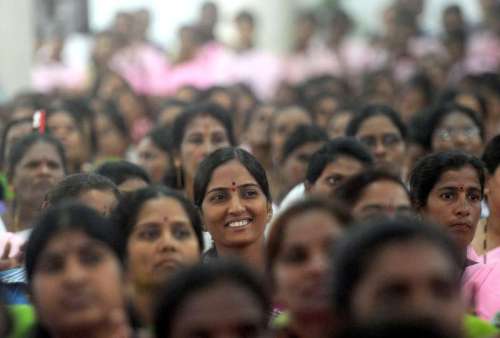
143	300
21	215
99	331
252	254
188	187
493	223
261	153
312	325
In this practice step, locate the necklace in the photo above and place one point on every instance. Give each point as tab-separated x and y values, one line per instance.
485	241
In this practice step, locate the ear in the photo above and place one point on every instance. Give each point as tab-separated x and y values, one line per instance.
307	186
269	211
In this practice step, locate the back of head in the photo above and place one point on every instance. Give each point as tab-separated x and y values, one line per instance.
374	111
350	191
120	171
72	186
332	150
302	135
491	155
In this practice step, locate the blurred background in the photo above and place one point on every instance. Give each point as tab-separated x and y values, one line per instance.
32	29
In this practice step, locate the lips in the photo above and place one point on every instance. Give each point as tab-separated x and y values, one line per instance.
76	301
238	223
167	264
461	227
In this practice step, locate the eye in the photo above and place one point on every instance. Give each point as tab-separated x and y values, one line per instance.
295	256
474	196
249	192
447	196
149	233
334	180
180	231
52	265
218	196
391	139
195	139
90	256
368	141
219	138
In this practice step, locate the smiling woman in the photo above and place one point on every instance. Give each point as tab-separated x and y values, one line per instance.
232	192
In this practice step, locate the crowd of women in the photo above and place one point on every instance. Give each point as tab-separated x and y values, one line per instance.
348	202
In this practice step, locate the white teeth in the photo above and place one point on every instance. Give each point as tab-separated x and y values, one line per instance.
238	224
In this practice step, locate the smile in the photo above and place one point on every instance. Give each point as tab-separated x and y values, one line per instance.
238	224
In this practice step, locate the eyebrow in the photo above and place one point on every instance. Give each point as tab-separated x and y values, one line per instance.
457	188
246	185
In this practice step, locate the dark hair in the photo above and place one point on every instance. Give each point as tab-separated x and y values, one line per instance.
332	150
449	96
395	329
205	109
120	171
5	134
375	111
303	134
422	83
429	169
220	157
355	253
126	213
111	112
491	155
201	277
20	148
81	113
245	15
72	186
439	113
350	191
277	234
68	217
171	103
162	139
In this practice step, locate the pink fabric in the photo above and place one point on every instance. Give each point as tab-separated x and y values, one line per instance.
483	280
491	256
47	77
261	70
15	240
142	66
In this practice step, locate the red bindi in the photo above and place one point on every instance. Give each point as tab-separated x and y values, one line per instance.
461	188
233	186
165	219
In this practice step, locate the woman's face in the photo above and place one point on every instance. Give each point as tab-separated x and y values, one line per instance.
382	197
77	283
258	131
457	131
65	129
221	310
110	142
153	159
16	133
427	289
384	140
455	203
284	124
37	172
202	136
334	174
302	264
235	209
162	241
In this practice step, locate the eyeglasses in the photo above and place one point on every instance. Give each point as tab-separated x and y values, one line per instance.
446	134
387	140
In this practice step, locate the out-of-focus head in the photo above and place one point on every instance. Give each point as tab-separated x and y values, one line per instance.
216	299
333	163
125	175
384	287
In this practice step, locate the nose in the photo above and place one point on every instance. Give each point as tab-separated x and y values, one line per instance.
208	148
460	140
462	207
236	206
318	264
74	272
379	149
44	169
166	242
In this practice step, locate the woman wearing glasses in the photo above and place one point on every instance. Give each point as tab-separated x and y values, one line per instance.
381	129
455	127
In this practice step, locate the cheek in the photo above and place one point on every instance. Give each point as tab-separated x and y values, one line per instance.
190	250
139	255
